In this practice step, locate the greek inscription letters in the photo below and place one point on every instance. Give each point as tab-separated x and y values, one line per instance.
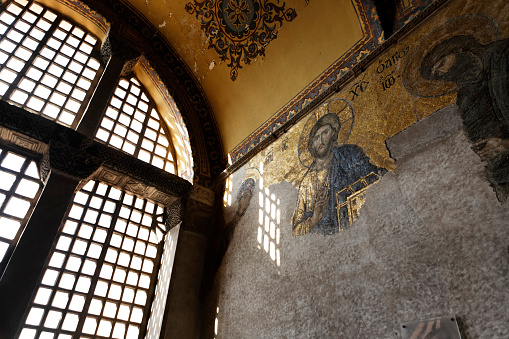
284	147
391	61
388	80
269	157
358	88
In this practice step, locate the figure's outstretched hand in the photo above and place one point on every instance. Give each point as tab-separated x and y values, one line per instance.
319	209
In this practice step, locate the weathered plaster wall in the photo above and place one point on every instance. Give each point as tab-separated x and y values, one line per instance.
431	241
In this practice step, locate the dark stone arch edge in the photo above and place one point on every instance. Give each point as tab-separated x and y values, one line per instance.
208	153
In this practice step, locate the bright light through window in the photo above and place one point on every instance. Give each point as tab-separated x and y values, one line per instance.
227	198
46	62
163	284
97	280
216	323
20	187
131	123
269	217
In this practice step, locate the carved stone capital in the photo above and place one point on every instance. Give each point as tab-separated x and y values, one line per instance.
126	183
21	140
119	49
68	161
175	213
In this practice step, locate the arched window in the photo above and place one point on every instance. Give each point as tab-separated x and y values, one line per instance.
133	124
49	65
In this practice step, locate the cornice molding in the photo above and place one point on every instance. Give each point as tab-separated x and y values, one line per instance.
74	155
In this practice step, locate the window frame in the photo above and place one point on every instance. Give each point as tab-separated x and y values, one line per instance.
151	107
100	261
95	54
30	157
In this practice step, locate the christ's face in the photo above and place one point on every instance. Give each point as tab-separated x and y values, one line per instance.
322	141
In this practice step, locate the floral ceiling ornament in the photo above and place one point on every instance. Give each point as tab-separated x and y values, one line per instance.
239	30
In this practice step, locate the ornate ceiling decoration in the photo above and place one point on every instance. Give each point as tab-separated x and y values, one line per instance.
239	30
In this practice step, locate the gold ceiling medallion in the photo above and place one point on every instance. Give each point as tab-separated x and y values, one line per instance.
239	30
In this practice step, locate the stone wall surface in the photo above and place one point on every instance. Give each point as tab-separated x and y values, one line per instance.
432	240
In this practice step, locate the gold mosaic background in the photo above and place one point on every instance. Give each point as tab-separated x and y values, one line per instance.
382	104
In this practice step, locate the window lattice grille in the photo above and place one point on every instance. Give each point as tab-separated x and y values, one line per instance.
131	123
20	188
99	279
163	284
46	62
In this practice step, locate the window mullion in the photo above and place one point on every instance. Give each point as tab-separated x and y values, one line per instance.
25	274
95	277
19	177
85	104
63	270
144	128
152	289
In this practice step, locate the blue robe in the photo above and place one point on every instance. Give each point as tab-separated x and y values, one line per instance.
347	165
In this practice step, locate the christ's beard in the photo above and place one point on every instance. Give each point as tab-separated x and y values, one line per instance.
324	152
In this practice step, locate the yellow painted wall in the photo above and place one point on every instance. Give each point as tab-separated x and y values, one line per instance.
305	47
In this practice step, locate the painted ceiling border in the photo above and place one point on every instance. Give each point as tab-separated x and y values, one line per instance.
84	10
